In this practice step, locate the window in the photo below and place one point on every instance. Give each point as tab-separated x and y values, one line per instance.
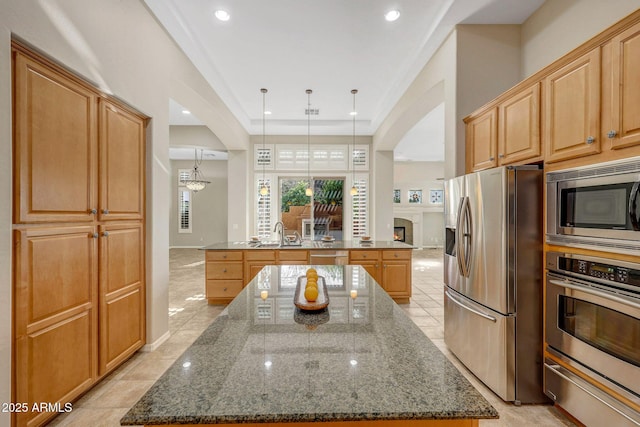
264	209
360	207
184	203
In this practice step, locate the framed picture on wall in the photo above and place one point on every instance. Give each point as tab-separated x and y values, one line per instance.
436	196
415	196
396	196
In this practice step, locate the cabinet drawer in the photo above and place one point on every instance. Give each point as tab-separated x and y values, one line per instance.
260	255
364	255
223	288
293	255
401	254
224	270
224	256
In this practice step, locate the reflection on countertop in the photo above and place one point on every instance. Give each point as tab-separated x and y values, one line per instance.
310	244
259	362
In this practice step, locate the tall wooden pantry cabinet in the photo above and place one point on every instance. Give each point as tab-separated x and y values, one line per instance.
78	215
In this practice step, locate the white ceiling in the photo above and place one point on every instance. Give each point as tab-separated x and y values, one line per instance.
329	46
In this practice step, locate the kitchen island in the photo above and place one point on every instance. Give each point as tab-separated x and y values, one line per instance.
360	361
231	265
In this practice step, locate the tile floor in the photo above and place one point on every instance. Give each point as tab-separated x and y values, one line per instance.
106	403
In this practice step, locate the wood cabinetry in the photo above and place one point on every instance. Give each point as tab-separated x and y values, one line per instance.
228	271
79	287
396	274
506	133
224	275
519	126
572	109
481	140
369	259
624	125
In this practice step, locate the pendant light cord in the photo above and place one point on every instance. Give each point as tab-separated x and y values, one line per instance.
309	189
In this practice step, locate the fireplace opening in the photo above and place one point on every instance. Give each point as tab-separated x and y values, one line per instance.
399	234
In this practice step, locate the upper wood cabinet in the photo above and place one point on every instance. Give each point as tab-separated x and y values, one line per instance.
572	109
481	140
519	126
122	156
624	129
55	162
507	133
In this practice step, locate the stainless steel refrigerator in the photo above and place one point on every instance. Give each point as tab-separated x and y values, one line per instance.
493	278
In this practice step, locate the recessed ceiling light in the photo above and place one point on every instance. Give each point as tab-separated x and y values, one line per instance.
222	15
353	113
392	15
267	113
186	112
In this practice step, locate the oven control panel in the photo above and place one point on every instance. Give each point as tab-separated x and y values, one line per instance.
600	270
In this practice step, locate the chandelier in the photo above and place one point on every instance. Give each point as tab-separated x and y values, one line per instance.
196	181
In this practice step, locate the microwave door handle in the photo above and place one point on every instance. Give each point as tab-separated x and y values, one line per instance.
633	208
595	292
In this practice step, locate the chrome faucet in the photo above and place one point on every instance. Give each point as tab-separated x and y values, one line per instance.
279	223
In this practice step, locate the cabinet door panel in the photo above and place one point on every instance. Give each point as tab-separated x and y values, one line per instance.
396	277
55	146
56	274
626	87
122	301
519	121
121	163
481	141
572	109
56	364
122	328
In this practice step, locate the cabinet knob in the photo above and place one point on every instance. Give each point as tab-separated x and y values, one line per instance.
590	140
105	211
105	234
395	255
224	271
93	211
491	158
95	235
224	256
376	265
224	289
364	256
501	156
612	134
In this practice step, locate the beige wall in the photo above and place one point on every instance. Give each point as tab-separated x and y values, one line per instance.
209	206
194	136
559	26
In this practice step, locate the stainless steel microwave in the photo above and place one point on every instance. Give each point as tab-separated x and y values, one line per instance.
595	207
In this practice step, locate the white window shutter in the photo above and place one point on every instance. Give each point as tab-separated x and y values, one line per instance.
184	210
360	207
264	206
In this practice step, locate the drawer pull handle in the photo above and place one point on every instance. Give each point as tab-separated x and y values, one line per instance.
364	256
224	289
224	271
612	134
224	256
395	255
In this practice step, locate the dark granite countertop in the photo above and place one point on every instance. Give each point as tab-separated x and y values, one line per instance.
267	361
311	244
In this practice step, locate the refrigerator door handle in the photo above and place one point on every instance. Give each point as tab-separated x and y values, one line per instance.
466	307
459	243
463	237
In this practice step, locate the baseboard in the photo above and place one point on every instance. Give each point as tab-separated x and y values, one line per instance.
186	247
147	348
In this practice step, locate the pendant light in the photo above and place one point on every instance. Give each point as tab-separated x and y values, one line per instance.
309	190
354	189
264	190
196	181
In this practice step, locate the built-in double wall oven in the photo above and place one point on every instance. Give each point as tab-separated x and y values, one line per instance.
592	329
595	207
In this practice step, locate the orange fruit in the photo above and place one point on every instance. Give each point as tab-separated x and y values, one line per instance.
311	293
312	271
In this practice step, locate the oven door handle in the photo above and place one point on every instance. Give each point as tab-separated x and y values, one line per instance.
633	209
466	307
595	292
585	387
